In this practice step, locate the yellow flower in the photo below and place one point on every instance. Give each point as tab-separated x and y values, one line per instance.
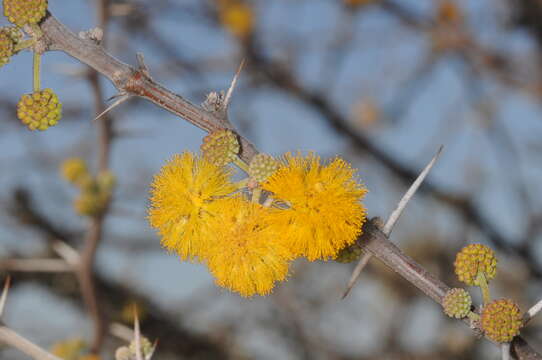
237	17
324	212
246	257
74	170
182	200
69	349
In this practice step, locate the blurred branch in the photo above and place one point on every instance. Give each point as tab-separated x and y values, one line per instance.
35	265
15	340
11	338
158	324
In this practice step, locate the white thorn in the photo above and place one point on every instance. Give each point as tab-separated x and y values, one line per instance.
392	219
535	309
121	98
137	336
409	194
142	65
365	257
233	84
4	296
505	351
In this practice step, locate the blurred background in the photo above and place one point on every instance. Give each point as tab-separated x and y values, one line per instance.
383	83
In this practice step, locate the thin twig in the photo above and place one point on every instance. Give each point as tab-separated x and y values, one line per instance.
4	296
392	219
66	252
15	340
36	265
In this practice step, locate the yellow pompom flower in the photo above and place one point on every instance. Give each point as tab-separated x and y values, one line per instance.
182	200
245	256
324	213
39	110
501	320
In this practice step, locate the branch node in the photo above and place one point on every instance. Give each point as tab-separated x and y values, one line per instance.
95	35
142	65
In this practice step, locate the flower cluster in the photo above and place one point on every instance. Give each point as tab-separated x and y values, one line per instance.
10	36
248	232
95	192
500	320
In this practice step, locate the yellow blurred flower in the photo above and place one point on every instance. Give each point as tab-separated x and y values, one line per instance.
74	170
182	200
237	17
324	212
69	349
246	256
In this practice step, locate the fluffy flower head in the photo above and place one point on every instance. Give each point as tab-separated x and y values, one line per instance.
324	213
182	200
246	257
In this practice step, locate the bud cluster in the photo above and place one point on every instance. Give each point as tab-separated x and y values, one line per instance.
95	193
349	254
262	166
220	147
22	12
39	110
9	37
474	259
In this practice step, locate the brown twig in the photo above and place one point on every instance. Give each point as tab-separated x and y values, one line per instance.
11	338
